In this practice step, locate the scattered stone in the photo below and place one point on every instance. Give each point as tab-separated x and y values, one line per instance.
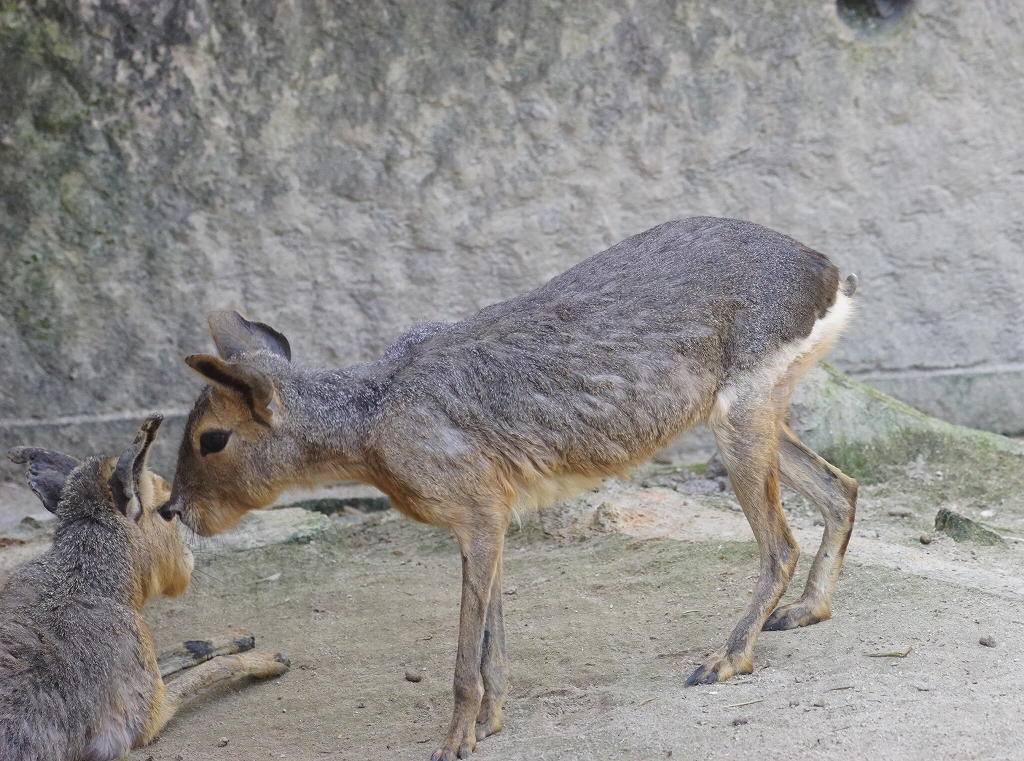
988	641
360	705
963	529
222	742
511	591
607	517
38	522
902	512
264	528
413	676
926	538
819	703
715	468
740	721
397	552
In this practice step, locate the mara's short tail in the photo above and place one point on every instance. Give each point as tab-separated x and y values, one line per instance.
849	286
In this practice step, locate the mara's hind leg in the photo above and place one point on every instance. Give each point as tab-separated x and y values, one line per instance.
747	432
171	696
193	652
835	494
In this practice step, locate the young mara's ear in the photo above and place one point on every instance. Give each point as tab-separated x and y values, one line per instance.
47	472
124	481
236	335
254	386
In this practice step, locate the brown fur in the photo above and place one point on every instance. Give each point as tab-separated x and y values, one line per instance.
535	398
80	677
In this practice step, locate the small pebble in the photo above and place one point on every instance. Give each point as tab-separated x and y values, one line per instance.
902	512
988	641
926	538
222	742
412	676
398	552
819	703
740	721
361	705
794	703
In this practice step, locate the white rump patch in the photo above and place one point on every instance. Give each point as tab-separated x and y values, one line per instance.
776	375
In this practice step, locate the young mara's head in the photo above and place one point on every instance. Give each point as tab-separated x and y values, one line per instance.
120	493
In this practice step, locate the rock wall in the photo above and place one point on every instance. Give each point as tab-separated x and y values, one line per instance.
342	169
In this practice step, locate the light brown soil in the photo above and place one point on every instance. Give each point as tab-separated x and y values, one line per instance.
610	601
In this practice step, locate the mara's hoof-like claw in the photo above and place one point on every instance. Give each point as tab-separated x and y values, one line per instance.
262	664
449	754
718	668
793	616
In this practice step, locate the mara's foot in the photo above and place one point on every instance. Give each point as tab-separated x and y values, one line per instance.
795	615
718	668
450	753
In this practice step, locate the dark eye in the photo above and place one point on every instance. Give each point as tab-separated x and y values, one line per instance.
213	441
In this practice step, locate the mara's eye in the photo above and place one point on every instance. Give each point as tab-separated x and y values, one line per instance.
213	441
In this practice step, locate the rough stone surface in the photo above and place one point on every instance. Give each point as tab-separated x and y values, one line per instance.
341	170
263	528
962	529
870	435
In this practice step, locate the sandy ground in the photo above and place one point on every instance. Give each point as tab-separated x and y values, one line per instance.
610	601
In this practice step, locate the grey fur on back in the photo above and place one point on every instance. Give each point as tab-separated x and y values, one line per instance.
598	367
66	626
621	352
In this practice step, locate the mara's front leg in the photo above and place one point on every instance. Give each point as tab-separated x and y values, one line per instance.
493	667
481	556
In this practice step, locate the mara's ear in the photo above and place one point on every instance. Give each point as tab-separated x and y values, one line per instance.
235	335
254	386
124	481
47	472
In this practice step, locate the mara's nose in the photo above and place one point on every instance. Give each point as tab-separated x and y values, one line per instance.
168	510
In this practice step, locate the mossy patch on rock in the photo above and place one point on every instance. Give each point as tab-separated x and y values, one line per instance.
873	437
962	529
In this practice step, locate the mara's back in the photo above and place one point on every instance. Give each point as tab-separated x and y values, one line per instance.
609	360
68	652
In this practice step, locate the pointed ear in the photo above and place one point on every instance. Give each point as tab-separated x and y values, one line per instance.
124	481
235	335
254	386
47	472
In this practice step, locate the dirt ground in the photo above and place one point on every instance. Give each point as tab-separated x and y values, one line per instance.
610	602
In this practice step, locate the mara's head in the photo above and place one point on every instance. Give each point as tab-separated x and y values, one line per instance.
234	456
122	490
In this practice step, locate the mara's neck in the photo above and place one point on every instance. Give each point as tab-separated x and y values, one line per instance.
330	417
